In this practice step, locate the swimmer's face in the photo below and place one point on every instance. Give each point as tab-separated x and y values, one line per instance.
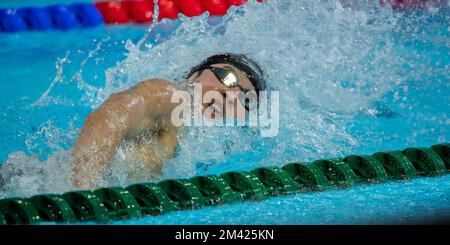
217	97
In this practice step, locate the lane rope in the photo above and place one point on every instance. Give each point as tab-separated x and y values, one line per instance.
105	204
78	15
83	15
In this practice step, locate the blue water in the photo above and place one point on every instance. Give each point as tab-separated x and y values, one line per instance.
414	112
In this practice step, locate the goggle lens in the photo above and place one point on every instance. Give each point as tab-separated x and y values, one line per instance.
229	79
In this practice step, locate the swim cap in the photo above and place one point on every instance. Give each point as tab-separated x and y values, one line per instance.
240	61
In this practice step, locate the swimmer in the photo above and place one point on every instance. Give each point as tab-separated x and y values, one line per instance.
142	114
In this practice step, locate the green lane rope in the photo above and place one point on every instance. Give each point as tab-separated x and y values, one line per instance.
136	200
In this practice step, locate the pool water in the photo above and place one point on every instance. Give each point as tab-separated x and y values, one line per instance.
350	82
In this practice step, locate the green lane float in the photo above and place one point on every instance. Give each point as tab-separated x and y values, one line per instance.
215	189
443	150
366	168
396	164
136	200
18	211
276	180
308	176
52	207
118	201
337	172
86	206
152	199
425	160
247	184
2	220
183	192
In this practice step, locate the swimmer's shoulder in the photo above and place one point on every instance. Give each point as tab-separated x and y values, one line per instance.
142	94
157	95
157	85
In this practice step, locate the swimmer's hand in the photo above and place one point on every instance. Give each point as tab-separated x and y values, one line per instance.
124	115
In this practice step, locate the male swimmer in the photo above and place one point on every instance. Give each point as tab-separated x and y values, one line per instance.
144	111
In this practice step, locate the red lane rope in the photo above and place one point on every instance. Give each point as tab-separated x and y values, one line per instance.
141	11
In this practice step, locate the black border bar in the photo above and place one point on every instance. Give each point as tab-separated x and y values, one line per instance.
130	234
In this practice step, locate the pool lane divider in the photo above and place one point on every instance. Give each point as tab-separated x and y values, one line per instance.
81	15
137	200
60	17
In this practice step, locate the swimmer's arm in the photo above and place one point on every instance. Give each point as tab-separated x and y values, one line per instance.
102	133
120	116
157	96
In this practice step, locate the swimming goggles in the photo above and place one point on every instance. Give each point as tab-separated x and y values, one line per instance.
228	78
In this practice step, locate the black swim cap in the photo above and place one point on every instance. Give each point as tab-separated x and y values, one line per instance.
240	61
